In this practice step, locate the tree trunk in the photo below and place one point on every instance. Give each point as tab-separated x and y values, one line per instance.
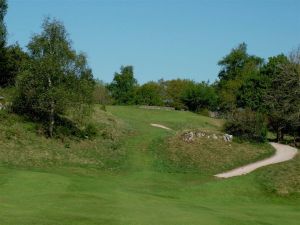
51	119
51	115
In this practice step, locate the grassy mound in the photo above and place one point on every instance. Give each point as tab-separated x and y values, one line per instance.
22	146
282	179
209	155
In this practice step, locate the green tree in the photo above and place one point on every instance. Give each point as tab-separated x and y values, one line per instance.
57	81
236	67
3	11
251	93
3	58
16	60
174	89
101	93
149	94
247	124
200	96
283	94
123	86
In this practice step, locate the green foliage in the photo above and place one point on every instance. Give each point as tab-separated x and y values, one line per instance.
247	125
200	96
57	81
3	58
123	86
237	67
175	90
101	93
16	60
3	32
149	94
282	96
251	93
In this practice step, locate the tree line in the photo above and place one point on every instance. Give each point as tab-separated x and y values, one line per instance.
254	94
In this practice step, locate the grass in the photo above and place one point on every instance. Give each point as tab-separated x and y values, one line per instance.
282	179
22	147
138	194
208	156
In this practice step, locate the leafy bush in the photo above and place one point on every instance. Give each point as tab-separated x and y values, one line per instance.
200	96
247	124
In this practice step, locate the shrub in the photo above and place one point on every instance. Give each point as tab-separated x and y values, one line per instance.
247	124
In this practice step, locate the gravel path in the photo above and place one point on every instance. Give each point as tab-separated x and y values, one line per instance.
160	126
283	153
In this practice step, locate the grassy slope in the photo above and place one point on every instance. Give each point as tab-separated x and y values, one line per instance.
22	147
208	156
283	178
139	194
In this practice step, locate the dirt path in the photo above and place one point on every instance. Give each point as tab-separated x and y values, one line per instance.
160	126
283	153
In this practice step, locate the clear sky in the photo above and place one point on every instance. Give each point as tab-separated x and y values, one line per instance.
162	38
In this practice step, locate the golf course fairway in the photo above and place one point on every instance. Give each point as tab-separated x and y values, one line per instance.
139	193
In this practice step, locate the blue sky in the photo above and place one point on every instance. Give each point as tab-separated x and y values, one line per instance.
162	38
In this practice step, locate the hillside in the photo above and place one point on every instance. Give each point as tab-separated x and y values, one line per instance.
144	186
22	144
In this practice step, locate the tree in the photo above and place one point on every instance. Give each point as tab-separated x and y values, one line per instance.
101	93
236	67
247	124
57	81
283	94
149	94
123	86
3	58
200	96
251	93
174	91
3	11
16	59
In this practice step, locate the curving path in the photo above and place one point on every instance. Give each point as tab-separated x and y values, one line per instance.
283	153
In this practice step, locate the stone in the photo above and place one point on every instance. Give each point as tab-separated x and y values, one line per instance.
227	137
188	136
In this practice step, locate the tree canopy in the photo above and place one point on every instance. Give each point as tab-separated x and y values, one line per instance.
123	86
56	79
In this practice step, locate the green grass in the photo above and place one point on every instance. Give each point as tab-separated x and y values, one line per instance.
282	179
22	146
139	193
208	156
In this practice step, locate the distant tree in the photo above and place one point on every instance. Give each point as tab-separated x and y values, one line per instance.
236	67
251	93
247	124
101	93
283	94
57	81
3	57
174	89
3	11
16	60
123	86
200	96
149	94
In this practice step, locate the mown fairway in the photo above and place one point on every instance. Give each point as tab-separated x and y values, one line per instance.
140	193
